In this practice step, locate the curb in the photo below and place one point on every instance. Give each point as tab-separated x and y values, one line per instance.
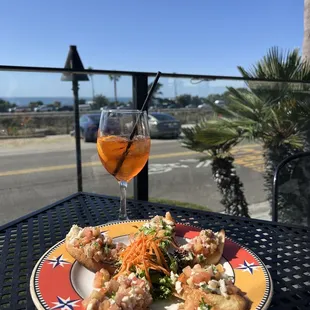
41	135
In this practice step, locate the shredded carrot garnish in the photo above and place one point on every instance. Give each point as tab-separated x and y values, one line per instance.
144	252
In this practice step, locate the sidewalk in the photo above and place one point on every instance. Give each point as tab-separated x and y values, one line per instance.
260	211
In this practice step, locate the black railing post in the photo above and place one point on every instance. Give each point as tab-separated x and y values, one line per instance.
73	62
141	181
75	88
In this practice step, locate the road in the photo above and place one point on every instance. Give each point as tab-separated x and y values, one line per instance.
36	173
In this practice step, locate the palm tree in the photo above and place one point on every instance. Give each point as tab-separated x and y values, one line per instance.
282	65
157	90
92	82
217	147
273	114
156	100
306	41
115	79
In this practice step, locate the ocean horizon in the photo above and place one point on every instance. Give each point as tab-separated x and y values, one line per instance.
24	101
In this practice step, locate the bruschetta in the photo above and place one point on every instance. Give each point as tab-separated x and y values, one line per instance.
209	288
161	227
205	249
93	249
125	293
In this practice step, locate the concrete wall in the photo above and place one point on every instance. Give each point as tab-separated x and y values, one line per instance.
62	122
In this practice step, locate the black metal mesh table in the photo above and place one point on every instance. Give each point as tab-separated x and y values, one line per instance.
285	250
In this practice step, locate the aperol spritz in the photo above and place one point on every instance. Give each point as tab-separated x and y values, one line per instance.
123	146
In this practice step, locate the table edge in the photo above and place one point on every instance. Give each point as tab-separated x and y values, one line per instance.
222	215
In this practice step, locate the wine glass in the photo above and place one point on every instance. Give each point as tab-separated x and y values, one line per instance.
123	146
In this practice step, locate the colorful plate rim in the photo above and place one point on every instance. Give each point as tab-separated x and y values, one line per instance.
40	303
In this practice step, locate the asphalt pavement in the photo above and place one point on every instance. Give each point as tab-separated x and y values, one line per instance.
38	172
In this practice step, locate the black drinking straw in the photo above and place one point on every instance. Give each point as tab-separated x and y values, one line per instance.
147	99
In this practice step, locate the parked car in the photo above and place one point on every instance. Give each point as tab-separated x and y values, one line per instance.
85	107
22	109
65	108
19	109
190	106
89	124
43	108
219	103
163	125
204	106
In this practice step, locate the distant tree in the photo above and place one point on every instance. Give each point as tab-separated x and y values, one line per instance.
225	96
156	100
196	101
35	104
4	105
57	104
100	101
184	100
91	76
213	97
82	101
115	79
129	104
157	91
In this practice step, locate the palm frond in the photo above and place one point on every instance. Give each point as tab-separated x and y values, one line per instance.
224	111
213	137
277	64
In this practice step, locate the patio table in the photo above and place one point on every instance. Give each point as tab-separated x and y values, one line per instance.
284	249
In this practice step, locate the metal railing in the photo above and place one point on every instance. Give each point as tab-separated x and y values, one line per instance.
139	93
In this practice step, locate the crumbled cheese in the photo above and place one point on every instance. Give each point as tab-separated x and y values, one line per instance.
210	270
80	233
147	225
223	288
212	285
125	298
131	276
178	287
173	277
186	246
132	292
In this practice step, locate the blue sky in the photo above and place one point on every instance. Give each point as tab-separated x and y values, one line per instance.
198	36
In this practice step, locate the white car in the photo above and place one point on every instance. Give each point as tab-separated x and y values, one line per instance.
43	109
203	106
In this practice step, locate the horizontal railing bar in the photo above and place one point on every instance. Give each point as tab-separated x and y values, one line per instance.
132	73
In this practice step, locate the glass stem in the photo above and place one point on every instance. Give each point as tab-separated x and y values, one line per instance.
123	210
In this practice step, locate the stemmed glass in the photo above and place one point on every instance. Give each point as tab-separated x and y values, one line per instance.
123	146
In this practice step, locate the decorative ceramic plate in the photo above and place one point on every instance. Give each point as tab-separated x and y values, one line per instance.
59	282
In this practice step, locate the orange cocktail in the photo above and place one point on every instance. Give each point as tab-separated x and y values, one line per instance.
111	149
123	146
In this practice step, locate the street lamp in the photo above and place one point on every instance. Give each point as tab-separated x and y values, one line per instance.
74	62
